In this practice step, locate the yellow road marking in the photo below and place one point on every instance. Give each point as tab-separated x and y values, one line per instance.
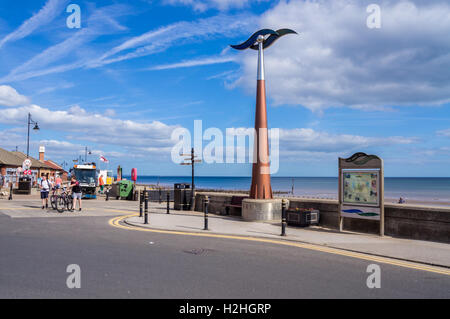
116	220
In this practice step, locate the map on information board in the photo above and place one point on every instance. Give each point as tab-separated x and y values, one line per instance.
360	188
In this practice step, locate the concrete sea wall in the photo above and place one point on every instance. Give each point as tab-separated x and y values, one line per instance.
401	220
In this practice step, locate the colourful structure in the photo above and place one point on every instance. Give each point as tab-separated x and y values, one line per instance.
260	40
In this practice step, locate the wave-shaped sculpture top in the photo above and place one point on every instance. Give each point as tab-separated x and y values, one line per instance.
273	36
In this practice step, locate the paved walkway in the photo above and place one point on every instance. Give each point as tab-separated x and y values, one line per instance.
412	250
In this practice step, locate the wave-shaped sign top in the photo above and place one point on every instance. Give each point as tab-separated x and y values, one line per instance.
273	36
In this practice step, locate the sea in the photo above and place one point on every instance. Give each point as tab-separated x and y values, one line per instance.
427	189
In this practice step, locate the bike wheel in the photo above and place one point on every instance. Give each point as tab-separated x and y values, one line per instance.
60	204
53	200
69	202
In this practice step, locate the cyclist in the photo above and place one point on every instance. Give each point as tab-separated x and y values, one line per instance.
76	192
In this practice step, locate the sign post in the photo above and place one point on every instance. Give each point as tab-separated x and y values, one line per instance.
361	188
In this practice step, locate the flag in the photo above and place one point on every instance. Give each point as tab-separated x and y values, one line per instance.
103	159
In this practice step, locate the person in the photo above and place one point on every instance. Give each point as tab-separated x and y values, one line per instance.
401	201
58	183
101	183
45	188
76	192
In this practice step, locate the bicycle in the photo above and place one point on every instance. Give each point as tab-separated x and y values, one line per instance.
64	200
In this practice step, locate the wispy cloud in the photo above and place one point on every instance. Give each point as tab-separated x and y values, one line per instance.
48	12
194	62
203	5
178	33
100	22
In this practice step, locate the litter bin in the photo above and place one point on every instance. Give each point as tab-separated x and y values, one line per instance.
303	217
182	196
126	189
24	185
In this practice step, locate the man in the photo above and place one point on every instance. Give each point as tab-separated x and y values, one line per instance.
45	188
76	192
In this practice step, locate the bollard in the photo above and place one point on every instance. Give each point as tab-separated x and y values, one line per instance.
206	212
10	191
168	201
146	207
283	217
141	202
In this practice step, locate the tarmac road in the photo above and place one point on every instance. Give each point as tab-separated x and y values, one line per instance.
120	263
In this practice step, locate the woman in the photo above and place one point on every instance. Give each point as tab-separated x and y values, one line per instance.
76	192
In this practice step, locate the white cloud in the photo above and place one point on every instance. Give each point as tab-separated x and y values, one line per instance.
46	14
96	128
10	97
445	133
337	61
203	5
195	62
178	33
307	139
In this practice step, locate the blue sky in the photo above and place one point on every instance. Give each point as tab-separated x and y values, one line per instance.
137	70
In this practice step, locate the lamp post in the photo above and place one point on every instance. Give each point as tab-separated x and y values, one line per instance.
35	128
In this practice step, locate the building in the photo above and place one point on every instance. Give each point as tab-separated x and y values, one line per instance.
10	161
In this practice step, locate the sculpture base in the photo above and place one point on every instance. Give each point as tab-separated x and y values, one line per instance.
261	209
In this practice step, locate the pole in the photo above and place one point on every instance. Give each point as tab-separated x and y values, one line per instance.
283	217
146	207
28	135
168	200
193	185
206	212
141	201
10	190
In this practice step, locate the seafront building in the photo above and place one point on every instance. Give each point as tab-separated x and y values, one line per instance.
11	160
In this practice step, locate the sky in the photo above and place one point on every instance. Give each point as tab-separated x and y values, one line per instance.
135	71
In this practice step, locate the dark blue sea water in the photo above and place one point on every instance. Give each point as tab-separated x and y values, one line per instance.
414	188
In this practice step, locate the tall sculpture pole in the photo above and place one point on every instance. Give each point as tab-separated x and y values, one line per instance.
261	187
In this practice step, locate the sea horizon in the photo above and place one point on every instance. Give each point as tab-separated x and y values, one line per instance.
433	189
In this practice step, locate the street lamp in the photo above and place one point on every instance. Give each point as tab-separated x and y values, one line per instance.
35	128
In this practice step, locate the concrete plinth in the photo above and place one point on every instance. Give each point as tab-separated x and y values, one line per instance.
261	209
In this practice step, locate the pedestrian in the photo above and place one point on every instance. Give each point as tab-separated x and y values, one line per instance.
58	183
76	192
101	183
45	188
